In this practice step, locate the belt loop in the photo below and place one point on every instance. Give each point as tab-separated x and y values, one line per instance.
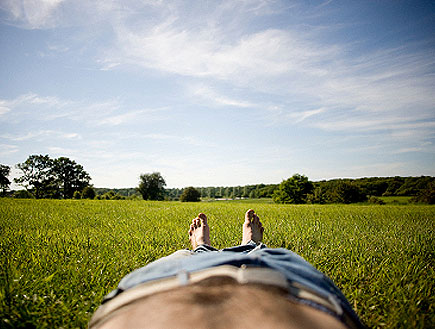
241	274
183	278
336	304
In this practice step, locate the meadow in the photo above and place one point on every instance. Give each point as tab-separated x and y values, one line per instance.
60	257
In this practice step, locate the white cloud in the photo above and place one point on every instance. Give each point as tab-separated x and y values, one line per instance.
227	54
7	149
132	116
409	149
32	98
209	94
48	108
301	116
34	14
354	92
4	109
40	135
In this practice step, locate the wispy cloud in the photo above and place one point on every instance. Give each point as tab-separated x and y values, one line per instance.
144	114
354	92
286	62
8	149
33	14
32	98
301	116
49	108
209	94
41	134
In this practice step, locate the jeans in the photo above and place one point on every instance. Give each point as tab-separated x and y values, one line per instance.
292	266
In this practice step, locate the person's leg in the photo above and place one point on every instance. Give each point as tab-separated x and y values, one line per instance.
252	235
252	228
199	234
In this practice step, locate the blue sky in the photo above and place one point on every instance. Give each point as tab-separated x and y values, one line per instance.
218	93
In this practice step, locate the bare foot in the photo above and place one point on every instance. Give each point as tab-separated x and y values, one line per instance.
199	232
252	228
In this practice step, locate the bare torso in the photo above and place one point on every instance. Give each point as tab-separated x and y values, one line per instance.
220	303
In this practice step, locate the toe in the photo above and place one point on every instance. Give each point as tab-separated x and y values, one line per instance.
203	218
249	215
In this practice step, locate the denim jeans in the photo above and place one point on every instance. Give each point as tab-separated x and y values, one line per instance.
292	266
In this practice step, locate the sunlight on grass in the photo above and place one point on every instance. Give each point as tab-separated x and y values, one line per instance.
59	258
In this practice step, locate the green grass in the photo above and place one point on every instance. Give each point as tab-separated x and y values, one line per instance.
59	258
396	200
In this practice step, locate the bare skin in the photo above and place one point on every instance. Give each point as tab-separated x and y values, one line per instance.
199	231
252	228
220	302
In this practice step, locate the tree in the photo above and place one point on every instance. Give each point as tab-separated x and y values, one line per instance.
48	178
70	176
4	181
152	186
427	195
23	194
38	176
190	194
343	191
293	190
88	193
77	195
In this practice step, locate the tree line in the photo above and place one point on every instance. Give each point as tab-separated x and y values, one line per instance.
296	189
44	177
299	189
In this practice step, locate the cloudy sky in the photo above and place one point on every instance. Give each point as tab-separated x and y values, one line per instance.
215	93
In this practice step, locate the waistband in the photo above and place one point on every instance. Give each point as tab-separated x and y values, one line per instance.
242	275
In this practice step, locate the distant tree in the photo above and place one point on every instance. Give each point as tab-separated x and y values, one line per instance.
52	178
376	200
245	193
343	191
88	193
253	194
394	184
317	196
70	176
108	196
23	194
38	176
293	190
77	195
190	194
427	195
152	186
4	181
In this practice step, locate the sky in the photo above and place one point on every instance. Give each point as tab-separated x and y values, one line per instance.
220	93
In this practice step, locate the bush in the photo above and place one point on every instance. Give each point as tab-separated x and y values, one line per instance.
111	196
344	191
190	194
23	194
88	193
426	196
375	200
77	195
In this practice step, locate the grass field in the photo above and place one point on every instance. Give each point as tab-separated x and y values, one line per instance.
396	200
59	258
